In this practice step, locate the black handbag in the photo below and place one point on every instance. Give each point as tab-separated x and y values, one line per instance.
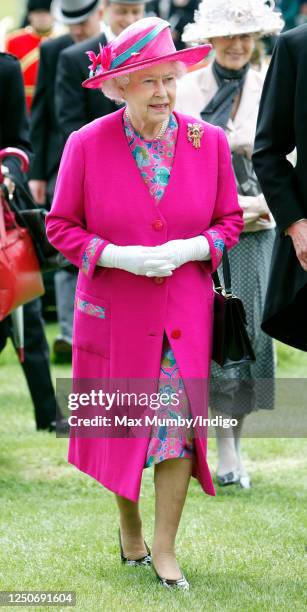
33	219
246	179
231	344
49	258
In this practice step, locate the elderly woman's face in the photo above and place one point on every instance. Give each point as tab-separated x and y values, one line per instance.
233	52
151	93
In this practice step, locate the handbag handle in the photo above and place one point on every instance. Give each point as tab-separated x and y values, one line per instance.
2	224
21	155
226	275
23	190
4	207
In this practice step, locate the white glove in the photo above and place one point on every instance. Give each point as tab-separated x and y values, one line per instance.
253	207
140	260
178	252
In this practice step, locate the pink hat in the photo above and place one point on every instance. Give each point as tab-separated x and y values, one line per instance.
144	43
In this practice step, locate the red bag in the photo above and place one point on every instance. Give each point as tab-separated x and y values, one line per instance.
20	277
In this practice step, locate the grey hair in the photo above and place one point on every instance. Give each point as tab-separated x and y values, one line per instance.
111	88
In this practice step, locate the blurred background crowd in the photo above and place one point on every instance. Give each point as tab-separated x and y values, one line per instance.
14	14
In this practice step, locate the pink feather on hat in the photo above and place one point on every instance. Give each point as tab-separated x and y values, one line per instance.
106	56
94	59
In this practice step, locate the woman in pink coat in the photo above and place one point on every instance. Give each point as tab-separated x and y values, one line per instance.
145	202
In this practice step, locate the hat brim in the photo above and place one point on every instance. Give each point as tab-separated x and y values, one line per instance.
187	56
202	35
58	15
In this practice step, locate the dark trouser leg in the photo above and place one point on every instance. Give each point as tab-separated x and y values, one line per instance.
65	287
36	366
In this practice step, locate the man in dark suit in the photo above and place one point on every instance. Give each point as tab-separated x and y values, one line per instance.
14	133
44	128
83	19
75	105
282	127
13	120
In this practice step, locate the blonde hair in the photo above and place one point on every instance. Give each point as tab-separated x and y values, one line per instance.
112	87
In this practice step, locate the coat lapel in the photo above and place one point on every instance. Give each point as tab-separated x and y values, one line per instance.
250	98
208	84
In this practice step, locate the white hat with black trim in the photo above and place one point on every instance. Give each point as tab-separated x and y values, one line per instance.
73	11
233	17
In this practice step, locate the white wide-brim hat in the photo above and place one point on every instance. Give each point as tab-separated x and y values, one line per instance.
233	17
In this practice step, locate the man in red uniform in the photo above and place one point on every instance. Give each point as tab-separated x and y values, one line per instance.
24	43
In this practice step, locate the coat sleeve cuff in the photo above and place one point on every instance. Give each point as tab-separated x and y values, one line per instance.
216	244
91	254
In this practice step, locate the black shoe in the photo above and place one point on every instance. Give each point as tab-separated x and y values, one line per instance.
180	583
146	560
62	350
228	479
60	426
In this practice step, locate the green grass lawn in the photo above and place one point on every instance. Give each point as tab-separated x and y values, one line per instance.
242	551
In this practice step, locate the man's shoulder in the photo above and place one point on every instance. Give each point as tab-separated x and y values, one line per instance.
294	44
295	40
17	34
295	35
9	63
8	59
56	45
78	50
22	38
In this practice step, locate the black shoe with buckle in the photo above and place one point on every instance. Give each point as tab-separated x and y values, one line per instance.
180	583
146	560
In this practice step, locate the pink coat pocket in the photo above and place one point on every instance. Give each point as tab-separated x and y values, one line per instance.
91	324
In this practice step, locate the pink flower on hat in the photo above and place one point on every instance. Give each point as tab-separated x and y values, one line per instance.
106	56
146	42
94	59
102	61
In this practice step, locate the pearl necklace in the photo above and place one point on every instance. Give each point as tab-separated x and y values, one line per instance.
161	131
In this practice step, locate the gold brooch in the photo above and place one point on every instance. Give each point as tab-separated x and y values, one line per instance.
195	134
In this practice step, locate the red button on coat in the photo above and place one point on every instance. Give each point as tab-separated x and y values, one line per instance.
158	225
176	333
159	280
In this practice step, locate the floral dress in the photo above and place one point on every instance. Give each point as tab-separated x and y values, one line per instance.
154	159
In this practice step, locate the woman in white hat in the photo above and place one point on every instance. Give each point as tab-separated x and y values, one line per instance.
227	93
